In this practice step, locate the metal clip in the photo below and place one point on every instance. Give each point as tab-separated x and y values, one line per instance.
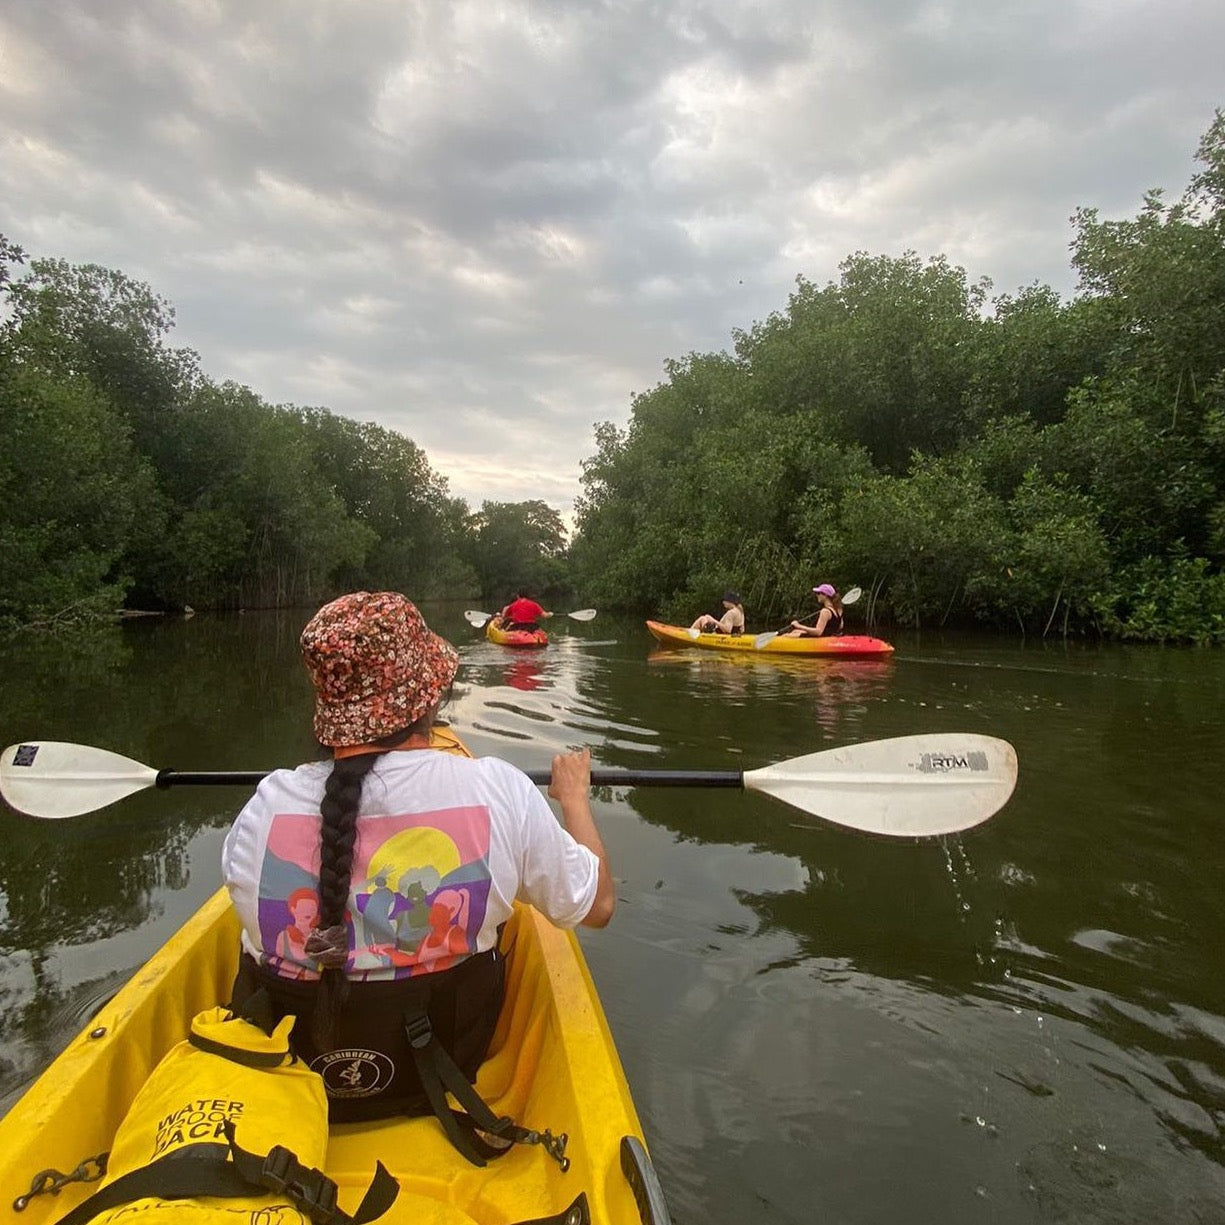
555	1146
51	1182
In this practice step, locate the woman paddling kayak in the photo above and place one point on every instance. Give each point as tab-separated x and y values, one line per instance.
829	619
416	857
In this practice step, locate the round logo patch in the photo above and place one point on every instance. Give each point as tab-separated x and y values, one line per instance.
353	1072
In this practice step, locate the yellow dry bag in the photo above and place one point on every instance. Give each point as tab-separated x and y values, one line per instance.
230	1127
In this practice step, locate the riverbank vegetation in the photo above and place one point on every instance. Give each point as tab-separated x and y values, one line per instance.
1017	461
127	476
1056	467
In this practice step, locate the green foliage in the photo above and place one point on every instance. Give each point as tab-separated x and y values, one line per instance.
10	254
925	540
1148	485
126	472
1030	351
880	359
99	325
517	547
887	430
1160	277
1060	554
386	485
1054	466
1178	599
73	491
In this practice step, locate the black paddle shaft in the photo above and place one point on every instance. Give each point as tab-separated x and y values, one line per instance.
653	778
599	778
210	778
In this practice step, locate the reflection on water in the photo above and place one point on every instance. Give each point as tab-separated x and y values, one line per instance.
526	674
1025	1023
832	692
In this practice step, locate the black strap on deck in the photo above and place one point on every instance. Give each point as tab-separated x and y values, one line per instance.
203	1170
439	1073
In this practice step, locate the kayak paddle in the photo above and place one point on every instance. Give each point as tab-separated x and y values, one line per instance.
479	618
905	787
760	641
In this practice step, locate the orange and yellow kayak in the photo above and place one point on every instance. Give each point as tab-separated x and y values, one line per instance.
514	638
552	1064
838	646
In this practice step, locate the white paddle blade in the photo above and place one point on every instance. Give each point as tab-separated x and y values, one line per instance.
761	639
852	596
47	778
476	618
907	787
695	634
582	614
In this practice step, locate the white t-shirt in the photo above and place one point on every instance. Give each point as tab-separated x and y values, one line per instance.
444	846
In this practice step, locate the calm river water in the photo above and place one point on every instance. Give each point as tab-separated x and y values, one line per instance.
1022	1024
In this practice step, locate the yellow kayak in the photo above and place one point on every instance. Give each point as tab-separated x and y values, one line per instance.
837	646
552	1064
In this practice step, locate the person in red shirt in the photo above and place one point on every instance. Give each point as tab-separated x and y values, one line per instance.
522	613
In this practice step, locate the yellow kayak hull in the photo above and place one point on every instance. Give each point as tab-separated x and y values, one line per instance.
839	646
552	1064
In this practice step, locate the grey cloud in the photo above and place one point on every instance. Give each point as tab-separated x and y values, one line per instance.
488	224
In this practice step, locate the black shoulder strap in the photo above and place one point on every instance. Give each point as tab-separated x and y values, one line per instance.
439	1073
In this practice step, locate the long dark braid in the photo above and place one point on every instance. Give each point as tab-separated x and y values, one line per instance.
337	835
342	795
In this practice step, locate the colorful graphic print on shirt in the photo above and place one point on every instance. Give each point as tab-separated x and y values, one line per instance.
417	896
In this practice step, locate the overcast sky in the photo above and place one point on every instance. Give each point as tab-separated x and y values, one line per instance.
487	224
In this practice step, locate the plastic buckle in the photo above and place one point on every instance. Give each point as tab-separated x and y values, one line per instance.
278	1168
310	1190
419	1031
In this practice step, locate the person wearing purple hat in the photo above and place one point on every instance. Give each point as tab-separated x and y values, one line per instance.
415	856
829	619
732	621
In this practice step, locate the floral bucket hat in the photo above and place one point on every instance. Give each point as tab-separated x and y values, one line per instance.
375	664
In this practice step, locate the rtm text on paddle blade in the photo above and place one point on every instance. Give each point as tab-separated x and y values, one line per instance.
909	786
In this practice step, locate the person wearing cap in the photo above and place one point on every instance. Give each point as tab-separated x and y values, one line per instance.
732	621
829	619
415	856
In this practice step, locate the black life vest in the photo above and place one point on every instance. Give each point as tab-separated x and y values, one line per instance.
369	1071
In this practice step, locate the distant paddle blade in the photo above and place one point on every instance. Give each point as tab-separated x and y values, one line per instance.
46	778
582	614
762	639
852	596
907	787
693	633
476	618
